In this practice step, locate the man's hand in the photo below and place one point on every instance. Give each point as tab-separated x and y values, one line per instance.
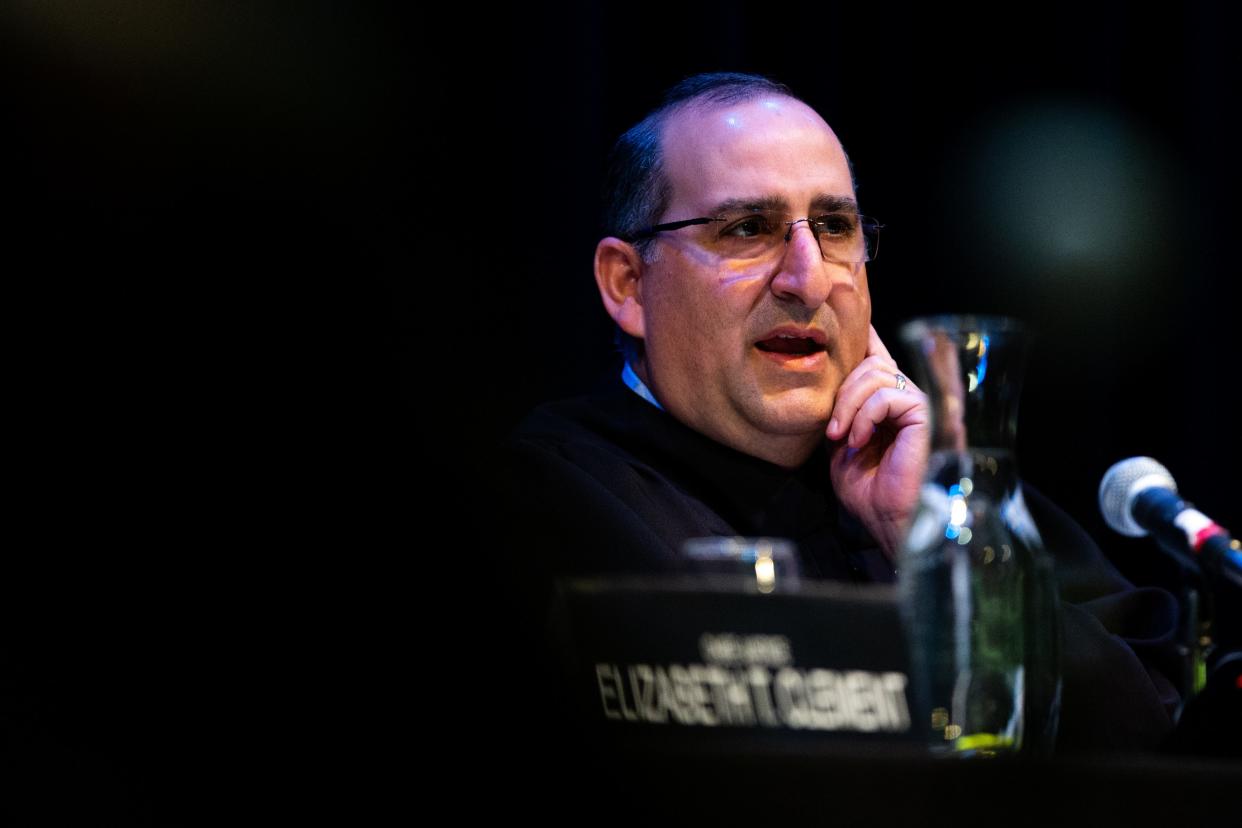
881	437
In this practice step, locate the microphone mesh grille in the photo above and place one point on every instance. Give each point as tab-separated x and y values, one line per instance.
1118	490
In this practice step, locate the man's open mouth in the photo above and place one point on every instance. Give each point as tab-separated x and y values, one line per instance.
789	344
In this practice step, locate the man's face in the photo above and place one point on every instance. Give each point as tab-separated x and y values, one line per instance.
711	324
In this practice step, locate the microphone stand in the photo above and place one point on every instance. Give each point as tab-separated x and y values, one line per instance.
1209	722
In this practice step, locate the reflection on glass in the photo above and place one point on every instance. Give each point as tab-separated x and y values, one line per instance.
976	585
765	564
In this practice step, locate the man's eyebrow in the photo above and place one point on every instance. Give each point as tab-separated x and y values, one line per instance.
755	205
822	203
834	204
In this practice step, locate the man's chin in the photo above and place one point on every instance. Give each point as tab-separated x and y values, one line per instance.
794	420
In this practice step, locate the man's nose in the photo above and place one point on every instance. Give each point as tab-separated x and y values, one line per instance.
804	275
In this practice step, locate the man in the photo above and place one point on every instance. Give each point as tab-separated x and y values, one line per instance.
760	400
766	354
763	353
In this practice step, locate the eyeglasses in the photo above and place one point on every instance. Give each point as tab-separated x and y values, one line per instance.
844	238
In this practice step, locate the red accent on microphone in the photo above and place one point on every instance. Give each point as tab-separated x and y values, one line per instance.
1206	532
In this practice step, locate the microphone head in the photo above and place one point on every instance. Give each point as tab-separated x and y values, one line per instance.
1122	484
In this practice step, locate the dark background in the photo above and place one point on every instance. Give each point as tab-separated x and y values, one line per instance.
282	273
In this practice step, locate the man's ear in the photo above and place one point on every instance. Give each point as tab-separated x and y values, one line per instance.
618	269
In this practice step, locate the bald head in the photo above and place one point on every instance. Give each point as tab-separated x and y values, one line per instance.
750	134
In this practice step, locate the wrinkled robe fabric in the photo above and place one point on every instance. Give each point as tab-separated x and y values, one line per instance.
612	484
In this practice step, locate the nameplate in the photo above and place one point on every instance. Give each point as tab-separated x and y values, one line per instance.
701	662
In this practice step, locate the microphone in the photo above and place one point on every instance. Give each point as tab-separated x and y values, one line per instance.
1138	496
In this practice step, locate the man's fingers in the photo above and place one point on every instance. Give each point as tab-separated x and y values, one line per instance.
875	345
872	374
888	404
877	372
865	381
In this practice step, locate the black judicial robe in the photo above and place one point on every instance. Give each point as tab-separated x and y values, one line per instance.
612	484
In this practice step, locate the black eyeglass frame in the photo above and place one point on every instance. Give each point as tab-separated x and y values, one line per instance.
868	224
